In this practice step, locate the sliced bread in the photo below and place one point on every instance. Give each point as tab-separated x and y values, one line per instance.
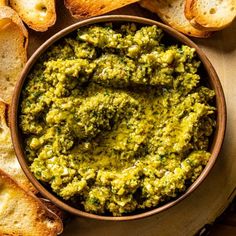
21	213
172	13
8	160
88	8
13	51
210	15
37	14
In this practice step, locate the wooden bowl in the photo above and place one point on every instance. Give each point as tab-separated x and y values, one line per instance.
212	80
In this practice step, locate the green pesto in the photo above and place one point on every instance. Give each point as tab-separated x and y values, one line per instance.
115	120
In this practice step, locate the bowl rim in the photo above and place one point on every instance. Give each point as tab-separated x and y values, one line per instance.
212	77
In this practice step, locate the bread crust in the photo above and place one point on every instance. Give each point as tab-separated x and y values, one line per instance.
189	16
88	8
9	13
3	2
187	9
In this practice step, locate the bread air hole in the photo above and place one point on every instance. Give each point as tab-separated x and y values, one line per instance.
41	7
102	7
212	11
16	222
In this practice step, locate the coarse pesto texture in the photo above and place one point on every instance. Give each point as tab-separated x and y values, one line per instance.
116	120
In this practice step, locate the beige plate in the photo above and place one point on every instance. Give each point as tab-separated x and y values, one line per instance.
213	81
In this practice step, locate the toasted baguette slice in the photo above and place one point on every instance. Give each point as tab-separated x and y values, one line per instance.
13	50
88	8
172	13
8	160
21	213
37	14
210	15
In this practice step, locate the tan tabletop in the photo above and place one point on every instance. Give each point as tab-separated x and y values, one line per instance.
218	189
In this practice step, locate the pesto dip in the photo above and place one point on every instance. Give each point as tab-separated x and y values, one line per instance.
115	118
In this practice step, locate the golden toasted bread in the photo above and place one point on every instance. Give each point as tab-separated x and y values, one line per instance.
88	8
13	51
210	15
187	9
172	13
8	160
21	213
3	2
189	15
37	14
